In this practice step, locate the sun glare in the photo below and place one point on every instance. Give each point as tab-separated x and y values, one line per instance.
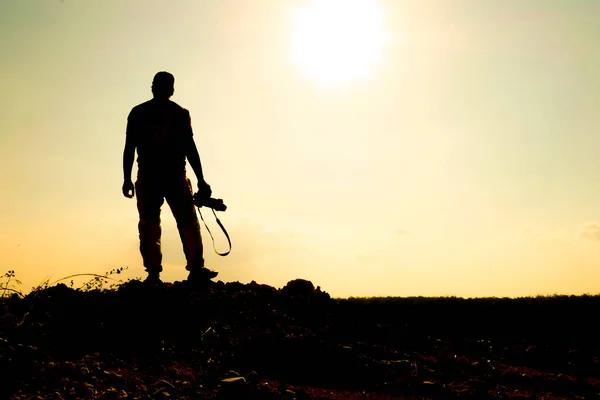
338	41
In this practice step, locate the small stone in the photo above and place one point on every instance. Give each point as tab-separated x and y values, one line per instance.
234	380
252	377
232	388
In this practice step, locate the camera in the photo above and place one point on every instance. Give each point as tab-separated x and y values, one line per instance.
205	201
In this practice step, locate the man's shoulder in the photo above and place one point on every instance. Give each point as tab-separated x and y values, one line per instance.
181	112
141	108
150	106
177	107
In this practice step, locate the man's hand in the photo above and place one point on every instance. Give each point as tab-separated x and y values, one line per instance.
127	188
204	189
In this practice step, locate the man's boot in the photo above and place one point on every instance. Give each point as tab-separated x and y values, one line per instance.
153	279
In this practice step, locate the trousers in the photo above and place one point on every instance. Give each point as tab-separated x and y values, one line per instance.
151	192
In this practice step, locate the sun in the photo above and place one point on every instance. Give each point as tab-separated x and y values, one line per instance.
338	41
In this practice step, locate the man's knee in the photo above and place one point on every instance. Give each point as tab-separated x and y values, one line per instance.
150	217
190	223
185	214
149	227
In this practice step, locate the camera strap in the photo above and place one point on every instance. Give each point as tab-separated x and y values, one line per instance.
211	235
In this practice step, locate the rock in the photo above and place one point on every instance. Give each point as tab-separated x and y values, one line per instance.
252	377
232	374
478	385
236	380
302	395
233	388
433	390
298	287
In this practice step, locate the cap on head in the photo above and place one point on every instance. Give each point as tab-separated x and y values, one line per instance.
163	84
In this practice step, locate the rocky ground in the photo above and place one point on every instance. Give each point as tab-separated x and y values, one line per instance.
251	341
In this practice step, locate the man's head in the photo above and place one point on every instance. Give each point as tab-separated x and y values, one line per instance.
163	85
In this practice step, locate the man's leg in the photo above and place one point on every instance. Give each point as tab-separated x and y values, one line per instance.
149	201
180	200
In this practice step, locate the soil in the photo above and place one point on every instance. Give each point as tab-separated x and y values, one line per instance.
252	341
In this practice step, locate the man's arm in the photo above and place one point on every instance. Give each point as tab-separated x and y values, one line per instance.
191	152
194	158
128	158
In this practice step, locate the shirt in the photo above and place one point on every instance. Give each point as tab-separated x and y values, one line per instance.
161	130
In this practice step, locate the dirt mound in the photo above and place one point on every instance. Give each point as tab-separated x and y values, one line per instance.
233	340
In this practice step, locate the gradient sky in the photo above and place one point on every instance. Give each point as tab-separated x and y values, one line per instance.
466	163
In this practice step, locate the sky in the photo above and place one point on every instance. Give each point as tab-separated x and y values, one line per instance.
461	160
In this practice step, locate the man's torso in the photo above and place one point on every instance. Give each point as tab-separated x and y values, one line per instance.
161	130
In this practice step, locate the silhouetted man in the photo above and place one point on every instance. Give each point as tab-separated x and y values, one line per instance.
161	132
